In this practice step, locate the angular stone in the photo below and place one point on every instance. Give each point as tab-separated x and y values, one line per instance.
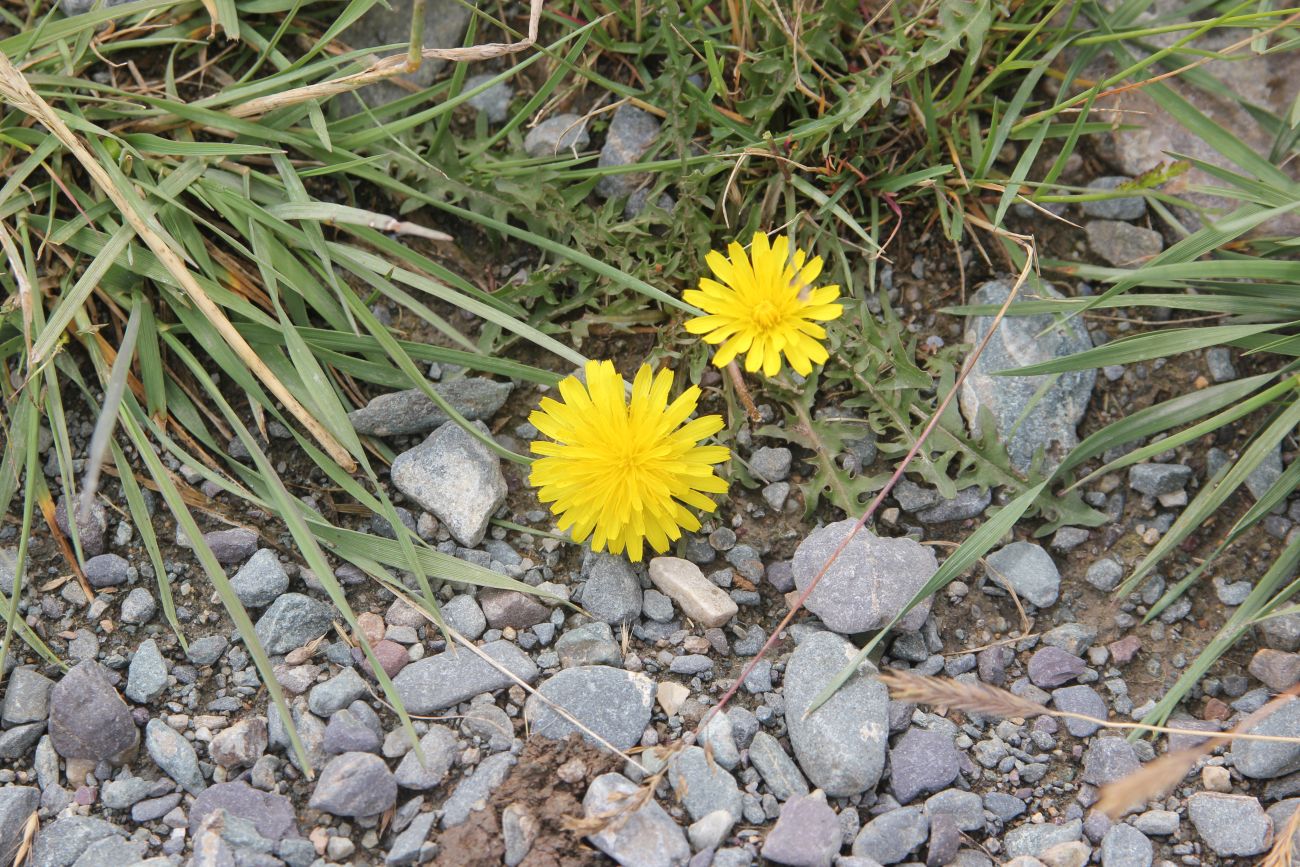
355	784
27	697
631	133
1123	245
293	620
1084	700
147	676
1029	569
1277	670
106	570
61	843
1109	759
174	754
440	750
1118	208
1030	839
1020	341
261	580
699	598
589	644
471	793
965	808
464	615
240	745
454	476
411	411
870	581
1156	480
229	546
563	132
336	693
272	815
1126	846
612	592
776	767
921	763
458	674
807	833
891	837
646	836
840	747
612	703
1231	825
1264	760
92	523
1051	667
703	786
88	719
511	608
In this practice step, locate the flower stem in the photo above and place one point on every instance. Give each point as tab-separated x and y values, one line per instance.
738	380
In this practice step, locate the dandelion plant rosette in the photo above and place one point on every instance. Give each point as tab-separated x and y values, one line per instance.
624	470
764	305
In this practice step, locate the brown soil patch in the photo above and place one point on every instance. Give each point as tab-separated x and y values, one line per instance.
535	783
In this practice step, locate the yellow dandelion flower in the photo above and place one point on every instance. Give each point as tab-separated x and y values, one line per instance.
623	471
764	304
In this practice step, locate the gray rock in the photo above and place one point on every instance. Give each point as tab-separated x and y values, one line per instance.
153	809
718	738
454	476
107	570
631	133
174	754
311	732
1073	638
657	606
771	464
1069	538
472	792
1051	667
1122	244
612	703
1109	759
8	570
1219	362
1126	846
347	732
776	767
1281	632
124	793
1030	839
261	580
807	833
240	745
440	750
840	747
776	494
1120	208
147	677
491	725
644	837
442	681
138	606
230	546
92	523
590	644
444	27
493	102
291	621
1265	760
1005	807
1080	699
60	844
88	719
922	762
891	837
17	742
1020	341
969	503
206	650
965	808
406	846
869	583
354	784
411	411
611	592
271	814
1157	479
1231	825
463	614
17	803
1105	574
27	697
703	786
1266	474
710	831
1029	569
336	693
555	134
111	851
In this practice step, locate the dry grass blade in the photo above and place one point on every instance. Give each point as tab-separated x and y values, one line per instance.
388	67
977	698
30	827
15	88
1159	776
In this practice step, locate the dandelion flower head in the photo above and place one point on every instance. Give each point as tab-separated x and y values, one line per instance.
764	305
625	470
